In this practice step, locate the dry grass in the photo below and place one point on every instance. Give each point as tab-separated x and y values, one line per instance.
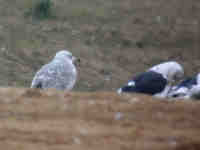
114	39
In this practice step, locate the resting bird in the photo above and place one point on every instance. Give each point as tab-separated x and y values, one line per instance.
60	73
188	88
156	80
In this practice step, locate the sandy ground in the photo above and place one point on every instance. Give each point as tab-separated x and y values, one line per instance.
47	120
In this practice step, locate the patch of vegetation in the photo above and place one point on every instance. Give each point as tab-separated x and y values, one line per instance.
149	39
41	9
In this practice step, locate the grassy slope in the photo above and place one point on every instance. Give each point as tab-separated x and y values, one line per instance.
113	38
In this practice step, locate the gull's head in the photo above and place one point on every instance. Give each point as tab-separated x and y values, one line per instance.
176	72
171	70
65	55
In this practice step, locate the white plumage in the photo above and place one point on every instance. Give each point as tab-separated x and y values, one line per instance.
188	88
156	80
171	70
60	73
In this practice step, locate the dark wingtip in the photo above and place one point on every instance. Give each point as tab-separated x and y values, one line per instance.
39	85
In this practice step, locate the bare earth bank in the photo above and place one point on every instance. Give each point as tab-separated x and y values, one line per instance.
45	120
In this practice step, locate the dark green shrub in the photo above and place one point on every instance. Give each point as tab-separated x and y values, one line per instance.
41	9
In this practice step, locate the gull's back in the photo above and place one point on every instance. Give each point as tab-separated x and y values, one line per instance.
57	74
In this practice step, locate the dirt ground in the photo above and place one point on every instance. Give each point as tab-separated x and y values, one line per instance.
114	39
47	120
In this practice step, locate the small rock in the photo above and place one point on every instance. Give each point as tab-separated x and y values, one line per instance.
76	140
118	116
3	49
107	78
158	19
91	102
133	100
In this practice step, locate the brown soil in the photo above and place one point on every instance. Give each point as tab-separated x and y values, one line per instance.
46	120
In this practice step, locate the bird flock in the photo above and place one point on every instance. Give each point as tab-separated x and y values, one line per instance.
158	81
